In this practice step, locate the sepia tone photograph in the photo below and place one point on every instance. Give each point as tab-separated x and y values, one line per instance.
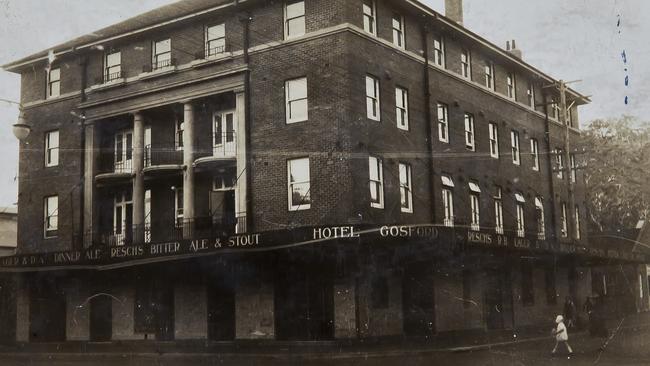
324	182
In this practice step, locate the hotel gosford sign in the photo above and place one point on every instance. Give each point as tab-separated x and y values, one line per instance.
116	256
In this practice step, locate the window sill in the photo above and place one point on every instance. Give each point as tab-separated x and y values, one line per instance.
156	73
213	59
300	208
108	84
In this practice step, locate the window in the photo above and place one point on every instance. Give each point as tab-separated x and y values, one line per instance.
296	99
551	291
54	83
475	203
402	108
398	30
376	175
215	40
527	290
369	21
498	211
466	64
574	168
563	222
123	159
299	184
541	225
162	54
559	163
147	216
511	84
113	66
439	52
534	152
178	206
530	94
469	132
448	200
514	141
405	188
294	19
372	98
521	224
443	123
489	76
494	140
178	136
51	148
555	108
577	222
379	295
51	213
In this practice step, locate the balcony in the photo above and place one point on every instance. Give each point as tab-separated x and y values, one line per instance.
108	81
113	170
162	160
223	150
158	68
211	55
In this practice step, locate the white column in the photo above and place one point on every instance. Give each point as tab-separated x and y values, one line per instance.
188	174
138	181
240	194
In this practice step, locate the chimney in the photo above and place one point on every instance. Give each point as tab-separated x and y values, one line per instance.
513	50
454	10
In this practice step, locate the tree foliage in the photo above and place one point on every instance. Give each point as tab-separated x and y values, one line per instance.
617	172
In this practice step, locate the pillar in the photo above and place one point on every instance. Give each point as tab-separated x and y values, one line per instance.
240	194
90	161
22	309
188	173
138	180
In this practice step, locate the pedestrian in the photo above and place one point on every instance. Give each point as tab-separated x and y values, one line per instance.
561	335
588	308
569	312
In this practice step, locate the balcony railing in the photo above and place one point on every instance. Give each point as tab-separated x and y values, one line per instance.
224	146
162	156
211	52
158	65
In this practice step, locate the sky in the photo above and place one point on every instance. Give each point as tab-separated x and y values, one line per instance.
570	40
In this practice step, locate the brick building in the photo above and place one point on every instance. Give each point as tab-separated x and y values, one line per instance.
300	170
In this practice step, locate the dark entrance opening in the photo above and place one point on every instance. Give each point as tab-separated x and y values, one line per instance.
418	300
101	318
221	312
47	313
155	307
498	299
7	311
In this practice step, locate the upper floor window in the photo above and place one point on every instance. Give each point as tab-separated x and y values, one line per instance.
369	19
466	64
51	148
443	123
541	225
489	76
534	153
555	108
530	93
398	30
294	19
475	203
405	188
577	222
521	225
448	200
215	40
296	100
494	140
559	163
372	97
469	132
498	211
113	66
54	83
574	168
298	184
178	136
123	159
439	51
162	54
401	108
376	174
178	206
51	216
564	225
514	141
512	86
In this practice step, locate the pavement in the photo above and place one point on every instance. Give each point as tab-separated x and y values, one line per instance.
628	344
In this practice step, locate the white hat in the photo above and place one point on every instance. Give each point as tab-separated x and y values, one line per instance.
559	319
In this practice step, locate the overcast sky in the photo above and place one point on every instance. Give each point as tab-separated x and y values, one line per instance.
576	39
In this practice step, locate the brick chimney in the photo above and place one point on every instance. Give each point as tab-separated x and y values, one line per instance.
454	10
513	50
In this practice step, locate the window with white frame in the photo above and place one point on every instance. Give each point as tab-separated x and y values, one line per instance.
466	64
294	19
439	51
113	66
147	216
555	108
470	144
402	108
51	148
178	134
530	94
51	216
498	211
511	86
534	153
162	54
559	163
475	205
443	122
178	206
574	168
514	142
448	200
541	224
521	225
405	188
376	182
494	140
296	100
564	225
299	185
215	40
54	83
398	30
369	19
489	75
372	98
123	158
577	221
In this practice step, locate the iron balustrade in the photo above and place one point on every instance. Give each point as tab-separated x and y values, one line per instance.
112	76
159	64
154	156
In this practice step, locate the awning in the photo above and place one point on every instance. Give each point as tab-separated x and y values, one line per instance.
447	181
474	187
520	198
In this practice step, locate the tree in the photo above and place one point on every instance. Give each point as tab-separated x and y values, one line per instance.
617	172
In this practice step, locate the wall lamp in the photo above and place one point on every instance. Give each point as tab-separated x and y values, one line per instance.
20	129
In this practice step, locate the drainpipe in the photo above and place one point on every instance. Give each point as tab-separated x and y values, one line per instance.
550	166
82	165
428	115
247	95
